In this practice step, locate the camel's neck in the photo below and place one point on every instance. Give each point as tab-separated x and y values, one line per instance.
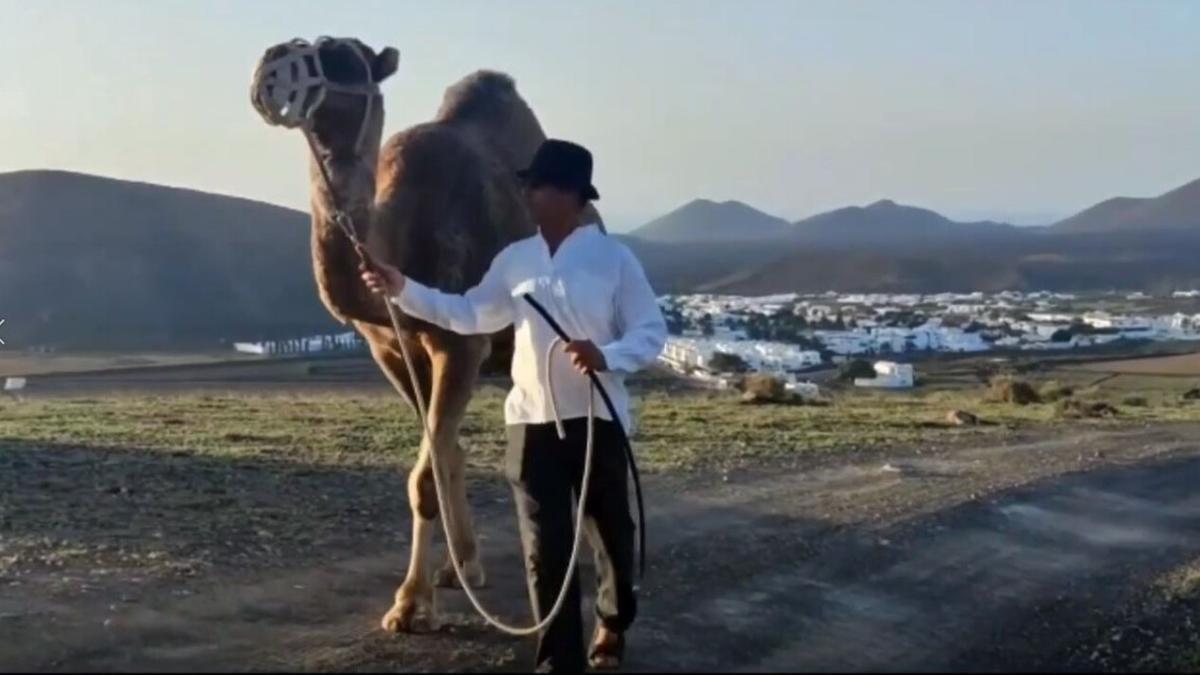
335	262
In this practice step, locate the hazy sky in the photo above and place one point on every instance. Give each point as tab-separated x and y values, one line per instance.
995	108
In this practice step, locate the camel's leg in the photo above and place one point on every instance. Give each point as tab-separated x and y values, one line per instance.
456	360
454	363
413	609
462	528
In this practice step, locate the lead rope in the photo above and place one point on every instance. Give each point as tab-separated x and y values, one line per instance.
346	225
518	631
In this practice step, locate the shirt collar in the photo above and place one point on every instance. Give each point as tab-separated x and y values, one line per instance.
580	232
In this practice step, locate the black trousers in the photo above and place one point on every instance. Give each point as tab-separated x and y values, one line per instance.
544	472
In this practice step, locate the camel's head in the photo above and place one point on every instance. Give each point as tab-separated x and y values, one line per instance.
330	87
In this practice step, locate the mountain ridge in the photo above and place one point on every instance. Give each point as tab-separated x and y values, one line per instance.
93	261
708	220
1175	209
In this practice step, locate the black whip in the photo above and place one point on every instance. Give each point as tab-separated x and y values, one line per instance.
612	410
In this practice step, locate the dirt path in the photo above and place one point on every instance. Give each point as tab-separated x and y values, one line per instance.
979	558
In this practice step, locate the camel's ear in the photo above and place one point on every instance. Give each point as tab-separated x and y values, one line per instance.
385	64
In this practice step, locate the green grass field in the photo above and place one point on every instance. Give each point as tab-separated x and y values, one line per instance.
675	430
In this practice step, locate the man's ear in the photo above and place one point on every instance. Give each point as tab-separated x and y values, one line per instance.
385	64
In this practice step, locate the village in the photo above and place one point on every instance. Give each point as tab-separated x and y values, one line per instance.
789	335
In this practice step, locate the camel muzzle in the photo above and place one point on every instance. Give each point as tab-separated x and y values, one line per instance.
289	87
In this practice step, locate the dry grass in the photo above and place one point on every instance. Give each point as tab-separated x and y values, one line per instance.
131	478
1076	409
1014	391
1135	401
1183	583
370	430
760	388
1182	587
1053	390
1174	365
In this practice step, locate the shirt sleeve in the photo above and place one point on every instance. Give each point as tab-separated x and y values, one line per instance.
643	331
486	308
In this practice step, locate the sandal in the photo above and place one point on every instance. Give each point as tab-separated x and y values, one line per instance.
608	652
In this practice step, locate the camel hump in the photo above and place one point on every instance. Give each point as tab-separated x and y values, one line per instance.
483	93
487	106
443	207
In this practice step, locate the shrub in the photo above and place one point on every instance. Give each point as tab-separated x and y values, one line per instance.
1010	390
1135	401
856	368
1055	391
724	362
1075	409
1069	409
761	388
962	418
986	373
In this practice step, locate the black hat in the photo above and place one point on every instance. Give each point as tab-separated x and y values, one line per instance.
562	164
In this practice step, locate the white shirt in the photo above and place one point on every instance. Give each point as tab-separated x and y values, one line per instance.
592	285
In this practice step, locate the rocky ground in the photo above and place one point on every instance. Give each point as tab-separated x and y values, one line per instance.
253	516
1025	551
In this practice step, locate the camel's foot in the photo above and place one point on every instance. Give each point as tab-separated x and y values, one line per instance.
413	612
472	570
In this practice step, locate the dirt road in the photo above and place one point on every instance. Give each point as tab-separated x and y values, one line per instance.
960	558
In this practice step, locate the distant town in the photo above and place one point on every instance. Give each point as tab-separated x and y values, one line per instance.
790	334
713	337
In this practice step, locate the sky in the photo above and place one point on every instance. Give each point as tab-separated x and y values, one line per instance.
1025	110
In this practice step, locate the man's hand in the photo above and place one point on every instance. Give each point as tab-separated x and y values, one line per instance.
585	356
382	278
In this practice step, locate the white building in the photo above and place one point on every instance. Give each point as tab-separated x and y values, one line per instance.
888	375
819	312
304	345
760	356
803	389
251	347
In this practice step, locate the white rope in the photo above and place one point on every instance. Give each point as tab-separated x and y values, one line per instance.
443	509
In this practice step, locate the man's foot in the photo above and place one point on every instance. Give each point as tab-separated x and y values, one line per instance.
608	649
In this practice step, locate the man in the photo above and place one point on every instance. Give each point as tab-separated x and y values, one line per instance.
597	290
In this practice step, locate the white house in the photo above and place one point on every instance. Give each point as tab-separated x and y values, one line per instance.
803	389
682	352
888	375
317	343
819	312
250	347
760	356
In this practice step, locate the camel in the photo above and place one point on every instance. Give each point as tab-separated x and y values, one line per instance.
439	200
